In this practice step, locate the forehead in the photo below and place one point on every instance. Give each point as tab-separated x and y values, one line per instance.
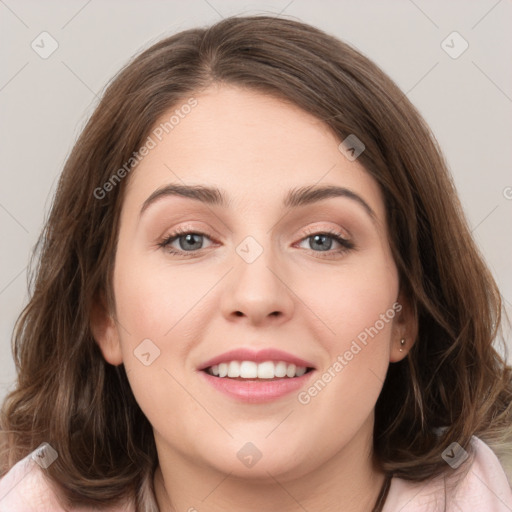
253	146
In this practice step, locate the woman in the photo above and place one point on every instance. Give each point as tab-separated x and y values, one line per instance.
257	291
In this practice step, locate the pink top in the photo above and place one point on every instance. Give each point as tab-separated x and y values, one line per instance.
483	487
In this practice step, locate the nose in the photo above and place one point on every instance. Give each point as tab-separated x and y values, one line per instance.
258	290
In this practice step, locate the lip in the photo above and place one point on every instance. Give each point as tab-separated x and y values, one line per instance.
257	391
260	356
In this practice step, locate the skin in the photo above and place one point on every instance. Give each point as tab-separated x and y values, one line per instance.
292	297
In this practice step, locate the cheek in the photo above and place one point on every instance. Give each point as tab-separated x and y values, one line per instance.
351	299
151	307
160	303
152	298
358	305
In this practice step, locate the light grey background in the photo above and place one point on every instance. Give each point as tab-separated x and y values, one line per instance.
45	102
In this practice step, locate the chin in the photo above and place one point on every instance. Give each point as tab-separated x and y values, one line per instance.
247	460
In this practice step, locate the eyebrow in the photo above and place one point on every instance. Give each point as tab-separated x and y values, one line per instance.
295	197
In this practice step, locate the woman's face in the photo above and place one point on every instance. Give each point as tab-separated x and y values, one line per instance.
262	273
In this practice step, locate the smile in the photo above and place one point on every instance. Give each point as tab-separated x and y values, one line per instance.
253	370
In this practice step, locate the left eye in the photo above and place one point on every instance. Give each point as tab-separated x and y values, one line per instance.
321	240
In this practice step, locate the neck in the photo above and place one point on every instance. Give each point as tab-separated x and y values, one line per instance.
350	477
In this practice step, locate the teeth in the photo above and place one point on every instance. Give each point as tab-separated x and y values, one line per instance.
300	371
266	370
290	371
280	369
252	370
248	369
223	369
234	369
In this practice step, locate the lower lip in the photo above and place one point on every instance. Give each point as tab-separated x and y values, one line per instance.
257	391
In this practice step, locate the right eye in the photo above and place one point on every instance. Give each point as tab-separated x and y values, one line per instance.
187	240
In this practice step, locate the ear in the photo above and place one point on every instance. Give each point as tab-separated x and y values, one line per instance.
405	327
104	331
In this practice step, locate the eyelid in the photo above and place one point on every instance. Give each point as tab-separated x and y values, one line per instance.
187	228
343	233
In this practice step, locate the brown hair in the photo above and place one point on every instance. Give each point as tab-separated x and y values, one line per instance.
66	394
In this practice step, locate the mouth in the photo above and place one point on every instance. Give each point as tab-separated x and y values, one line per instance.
254	371
256	377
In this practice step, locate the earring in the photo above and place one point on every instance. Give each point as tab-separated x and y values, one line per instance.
402	343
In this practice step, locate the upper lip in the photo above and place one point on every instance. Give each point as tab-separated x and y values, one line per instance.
267	354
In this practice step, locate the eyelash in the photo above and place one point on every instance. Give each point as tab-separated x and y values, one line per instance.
347	245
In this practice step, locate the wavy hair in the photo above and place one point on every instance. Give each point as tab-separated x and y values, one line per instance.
454	378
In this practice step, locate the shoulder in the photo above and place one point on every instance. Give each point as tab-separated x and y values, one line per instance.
24	488
480	487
